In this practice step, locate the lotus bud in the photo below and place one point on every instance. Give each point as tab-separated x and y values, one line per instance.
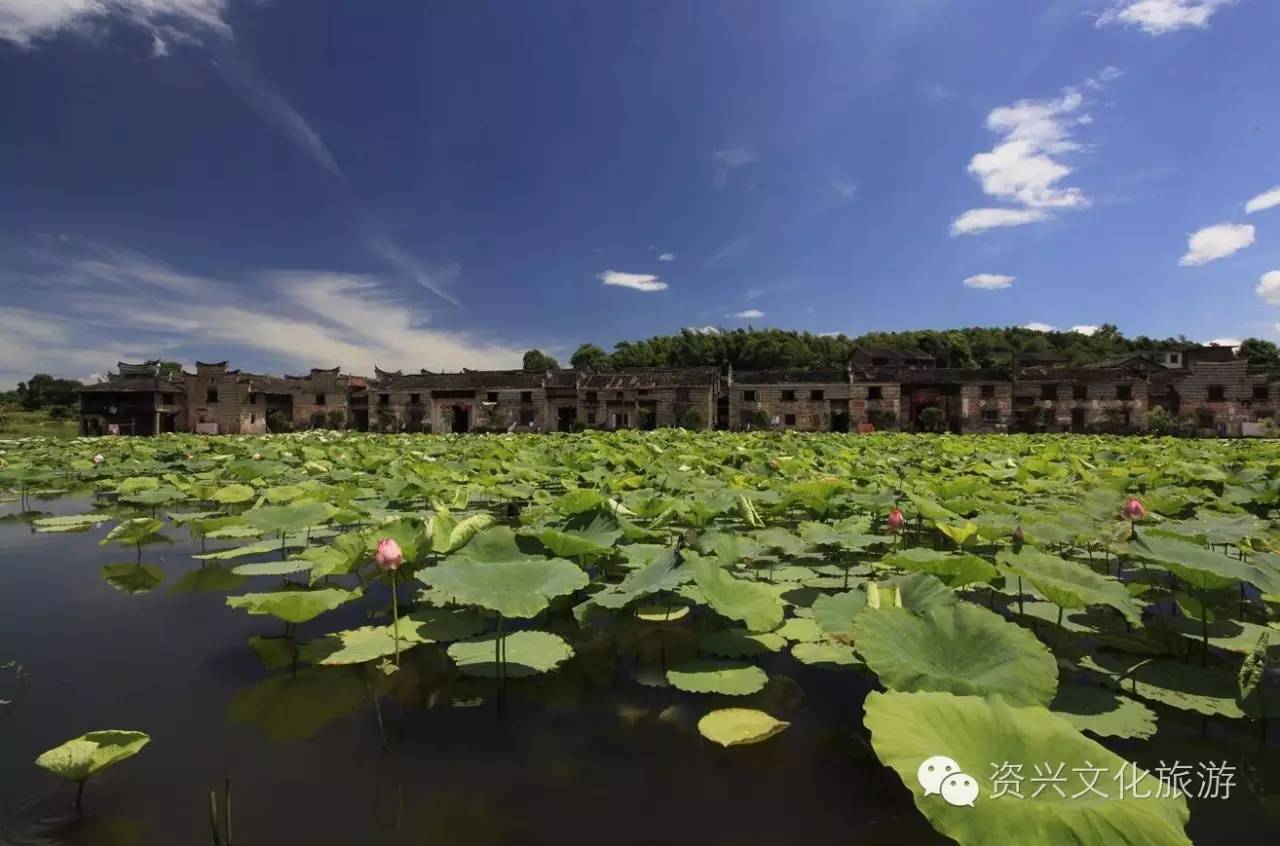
98	459
257	456
896	521
1018	537
388	556
1133	509
774	464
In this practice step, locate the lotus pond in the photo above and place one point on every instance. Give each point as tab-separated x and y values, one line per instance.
638	638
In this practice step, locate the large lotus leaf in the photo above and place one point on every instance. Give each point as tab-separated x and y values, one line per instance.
740	643
959	648
918	591
137	484
526	653
297	706
498	543
956	569
848	537
449	534
1068	584
1103	712
1203	690
357	646
780	540
232	494
273	568
345	554
825	654
1196	565
834	612
81	757
519	588
738	726
981	735
140	530
801	630
1239	636
733	678
441	625
738	599
294	606
133	578
581	537
1208	527
288	518
71	523
259	548
661	573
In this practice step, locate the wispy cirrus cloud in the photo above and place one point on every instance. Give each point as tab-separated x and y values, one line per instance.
1266	200
1026	167
748	314
988	281
667	257
646	282
725	161
26	22
1215	242
1160	17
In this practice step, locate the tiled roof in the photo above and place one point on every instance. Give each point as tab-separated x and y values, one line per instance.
621	380
793	377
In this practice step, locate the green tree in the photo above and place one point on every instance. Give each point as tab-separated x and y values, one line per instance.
1261	352
536	361
43	390
589	357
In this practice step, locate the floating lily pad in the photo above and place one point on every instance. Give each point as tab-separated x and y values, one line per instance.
294	606
520	588
525	653
739	726
661	612
734	678
740	643
825	654
81	757
73	523
272	568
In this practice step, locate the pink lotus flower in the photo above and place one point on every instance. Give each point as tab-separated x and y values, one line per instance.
98	459
896	521
388	556
1133	509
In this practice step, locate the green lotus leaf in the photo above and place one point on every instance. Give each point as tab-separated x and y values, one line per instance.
738	599
81	757
661	612
834	612
441	625
660	573
524	653
259	548
956	569
825	654
133	578
851	538
1203	690
739	726
273	568
233	494
345	554
780	540
1239	636
740	643
137	484
1198	566
1103	712
732	678
297	706
357	646
518	588
288	518
582	539
1068	584
294	606
800	629
981	735
959	648
919	591
71	523
140	530
449	534
499	544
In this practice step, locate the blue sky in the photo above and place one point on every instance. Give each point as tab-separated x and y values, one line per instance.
290	183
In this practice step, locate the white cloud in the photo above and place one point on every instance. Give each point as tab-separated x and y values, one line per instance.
646	282
726	161
1269	287
988	281
1039	327
975	221
123	306
667	257
702	330
1026	168
1083	329
749	314
1265	200
1224	342
24	22
753	293
1159	17
1217	241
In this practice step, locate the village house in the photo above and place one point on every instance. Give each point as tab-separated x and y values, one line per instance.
1204	390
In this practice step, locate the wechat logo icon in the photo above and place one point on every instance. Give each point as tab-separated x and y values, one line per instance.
941	776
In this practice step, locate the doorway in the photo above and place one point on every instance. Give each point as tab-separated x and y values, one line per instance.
461	420
1077	420
565	416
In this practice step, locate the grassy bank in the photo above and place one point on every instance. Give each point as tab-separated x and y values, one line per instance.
18	423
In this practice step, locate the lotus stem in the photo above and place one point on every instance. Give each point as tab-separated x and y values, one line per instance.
213	818
80	796
1204	633
395	617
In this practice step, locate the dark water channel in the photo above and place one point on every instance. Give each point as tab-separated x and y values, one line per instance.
585	755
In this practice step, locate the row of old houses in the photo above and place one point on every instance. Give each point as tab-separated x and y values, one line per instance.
1210	390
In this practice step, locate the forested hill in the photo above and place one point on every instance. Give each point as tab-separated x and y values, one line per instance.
755	349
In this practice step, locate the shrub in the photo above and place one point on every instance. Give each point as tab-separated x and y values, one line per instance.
931	419
278	421
686	417
337	418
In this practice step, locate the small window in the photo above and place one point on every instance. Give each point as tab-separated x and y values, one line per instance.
816	396
591	417
415	399
526	396
1124	392
874	393
1217	393
1079	392
990	415
788	396
682	394
592	396
253	398
167	399
211	395
643	392
790	419
1048	392
748	396
493	396
253	418
618	395
384	399
1261	392
988	391
320	399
